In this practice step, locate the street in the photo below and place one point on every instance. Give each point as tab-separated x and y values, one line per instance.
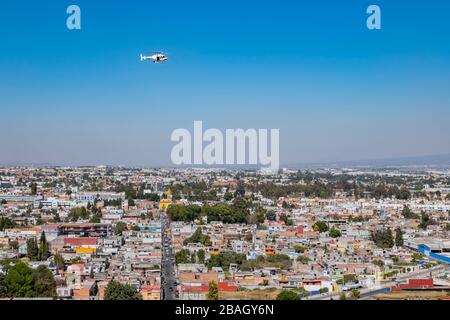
168	280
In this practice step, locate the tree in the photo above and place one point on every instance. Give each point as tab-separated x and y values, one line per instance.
379	263
59	262
182	256
417	256
303	293
213	291
117	291
342	296
408	214
324	290
228	196
335	233
43	253
271	215
120	227
32	249
398	237
6	223
44	282
224	260
198	237
19	281
303	259
201	256
383	238
33	188
355	294
320	226
288	295
78	213
300	249
240	189
13	244
3	287
95	218
425	221
23	282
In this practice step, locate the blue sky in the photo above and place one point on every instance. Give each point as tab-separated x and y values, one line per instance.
336	90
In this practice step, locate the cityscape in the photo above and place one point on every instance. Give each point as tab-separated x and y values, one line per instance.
211	159
115	233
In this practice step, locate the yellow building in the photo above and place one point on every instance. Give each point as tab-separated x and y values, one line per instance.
151	293
269	250
83	250
165	203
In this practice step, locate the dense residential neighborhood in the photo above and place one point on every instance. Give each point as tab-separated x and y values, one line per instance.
94	233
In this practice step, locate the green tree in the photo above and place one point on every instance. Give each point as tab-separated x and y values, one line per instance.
43	252
131	202
228	196
95	218
32	249
425	221
182	256
335	233
324	290
408	213
271	215
303	259
288	295
19	281
13	244
383	238
198	237
120	227
76	214
58	260
320	226
417	256
3	287
44	282
33	188
213	291
355	294
201	256
300	249
342	296
379	263
224	260
240	189
398	237
6	223
117	291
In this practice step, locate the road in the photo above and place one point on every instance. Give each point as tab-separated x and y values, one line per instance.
367	291
168	280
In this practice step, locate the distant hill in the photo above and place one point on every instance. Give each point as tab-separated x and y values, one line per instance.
442	160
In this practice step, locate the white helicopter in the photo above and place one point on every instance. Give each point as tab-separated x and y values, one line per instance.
157	57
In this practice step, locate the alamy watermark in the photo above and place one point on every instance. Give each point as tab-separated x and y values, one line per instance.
373	22
229	148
